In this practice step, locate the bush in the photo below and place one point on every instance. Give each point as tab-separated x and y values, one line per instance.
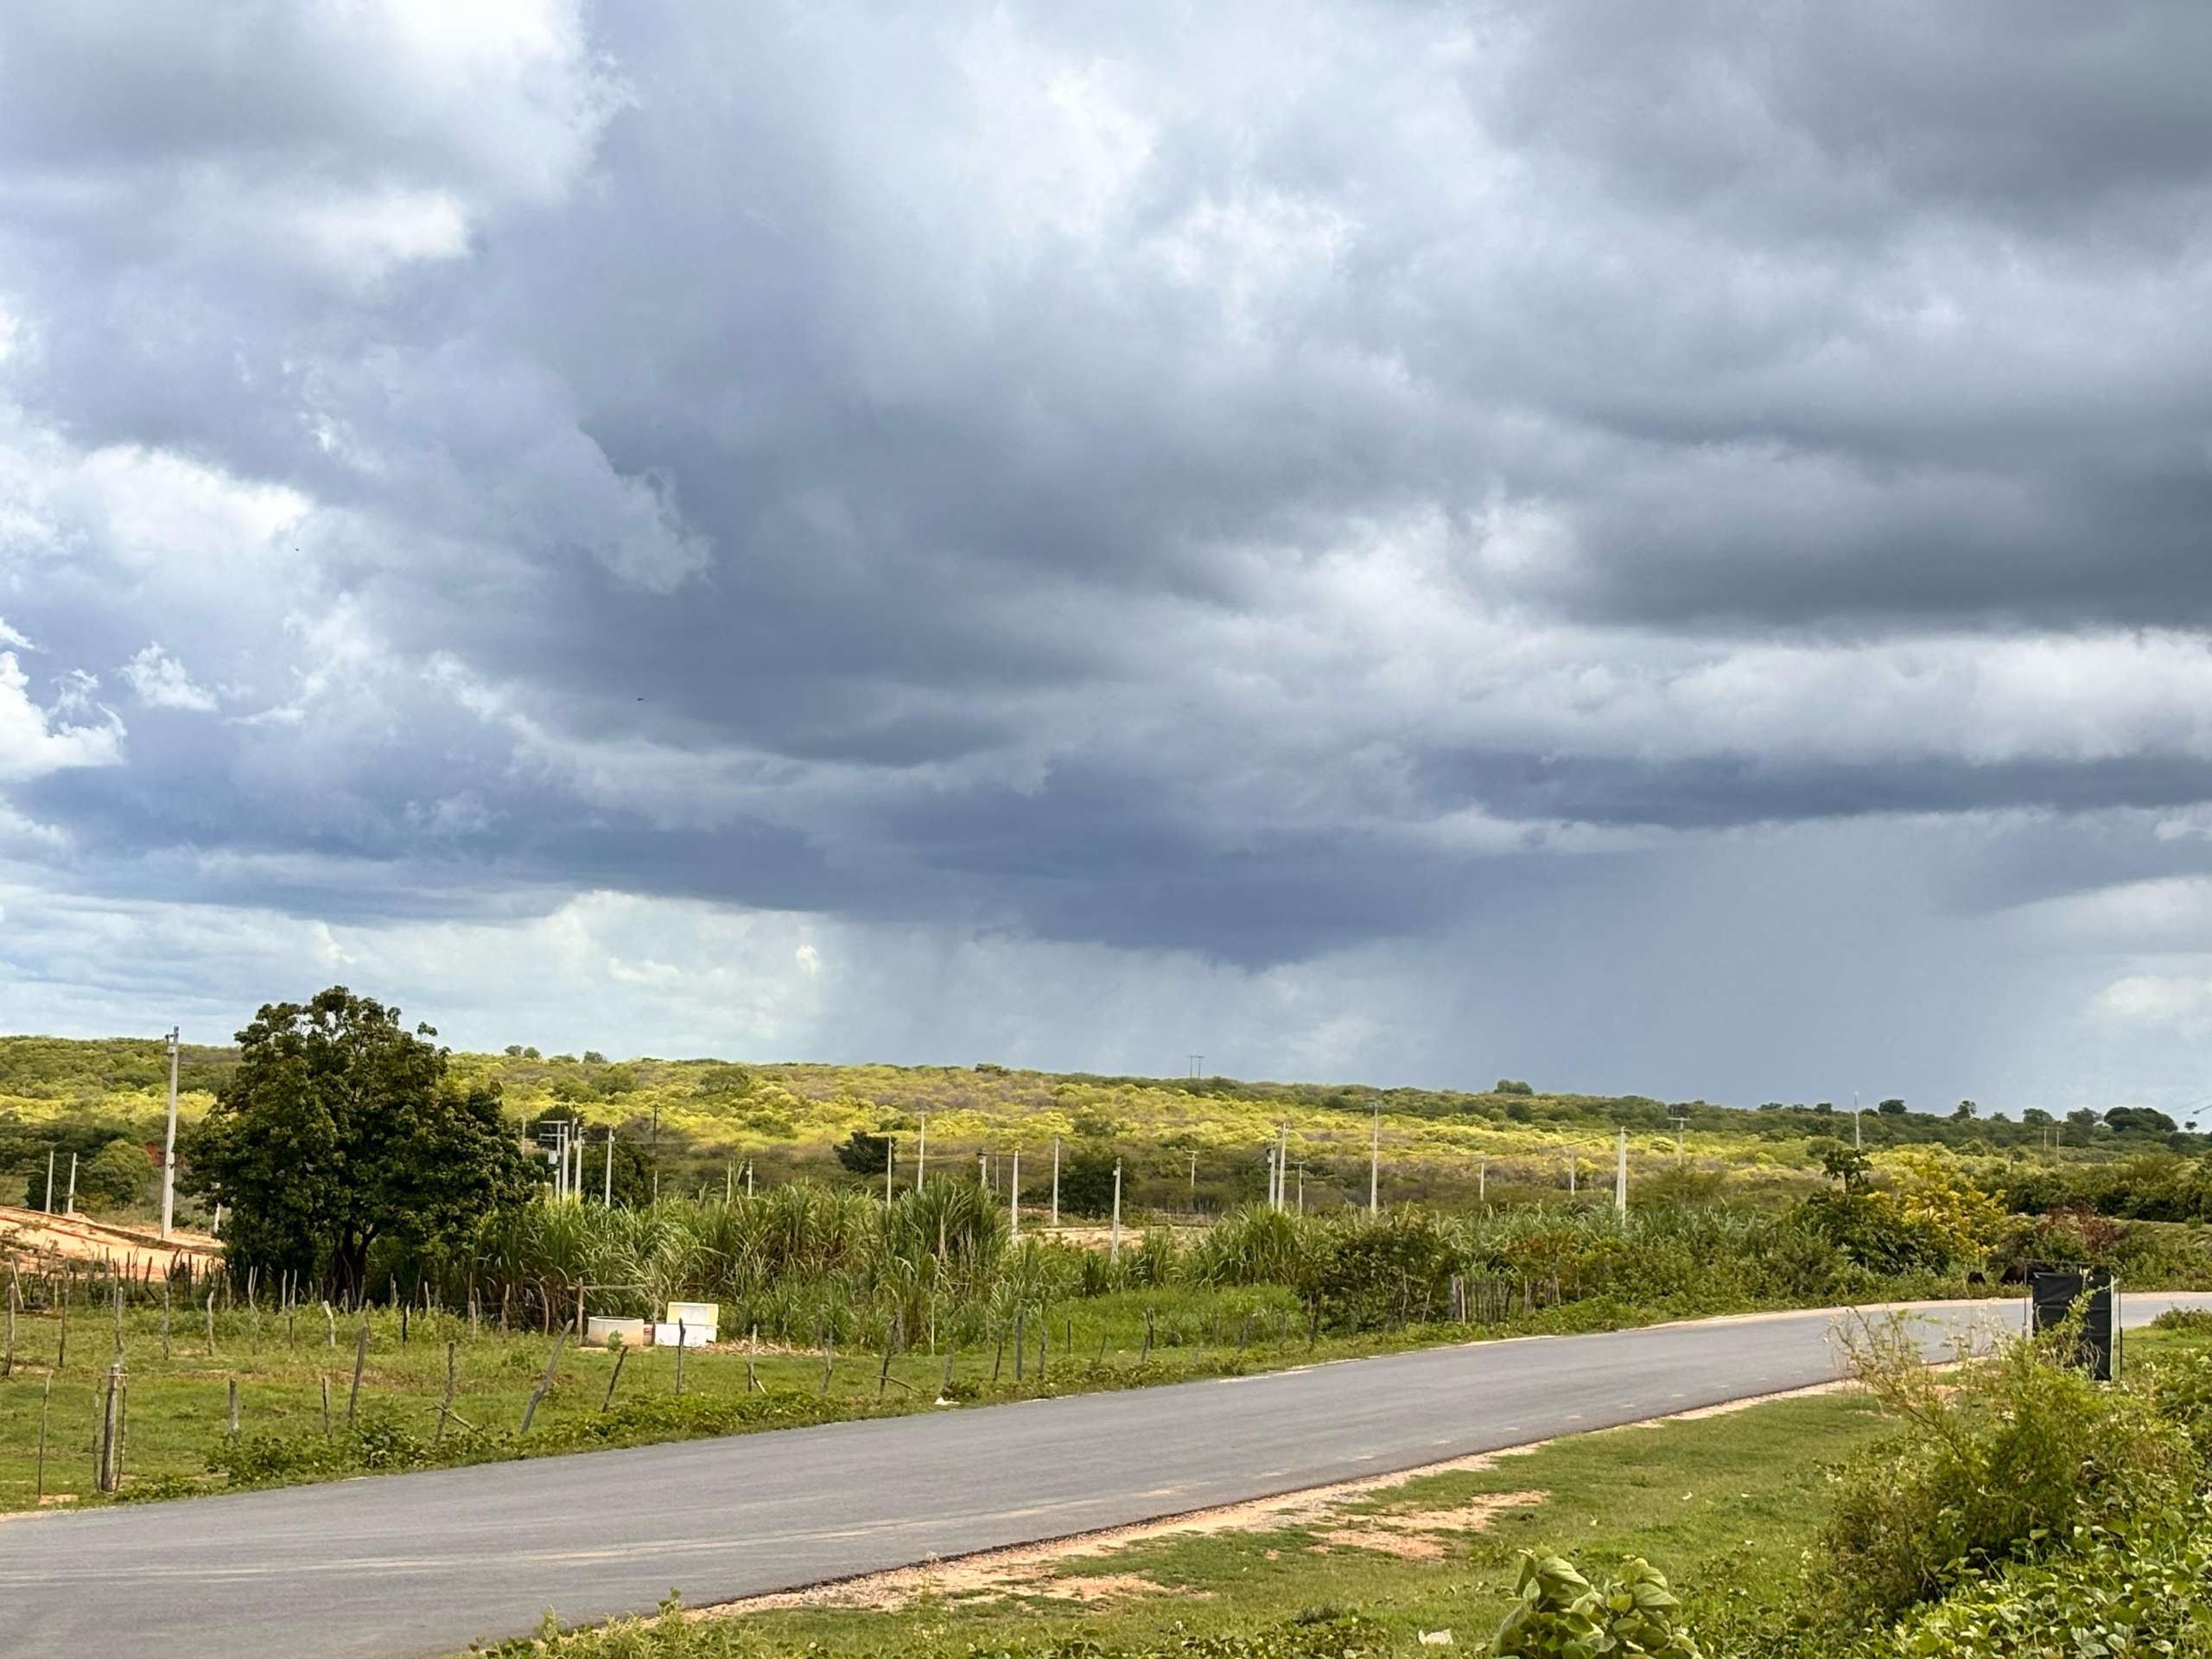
2000	1463
2140	1590
1562	1612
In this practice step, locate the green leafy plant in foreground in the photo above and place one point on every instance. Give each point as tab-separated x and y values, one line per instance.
1561	1612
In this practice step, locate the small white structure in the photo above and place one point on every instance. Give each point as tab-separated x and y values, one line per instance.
630	1332
695	1323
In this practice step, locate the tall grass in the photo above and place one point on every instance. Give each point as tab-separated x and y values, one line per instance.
802	1264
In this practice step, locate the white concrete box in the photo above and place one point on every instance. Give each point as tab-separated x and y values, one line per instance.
630	1332
666	1334
706	1313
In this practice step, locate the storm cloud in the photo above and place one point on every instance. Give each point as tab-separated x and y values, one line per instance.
1658	546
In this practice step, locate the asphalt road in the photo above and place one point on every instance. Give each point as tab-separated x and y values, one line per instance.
427	1563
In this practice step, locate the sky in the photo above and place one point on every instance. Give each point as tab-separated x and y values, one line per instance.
1643	546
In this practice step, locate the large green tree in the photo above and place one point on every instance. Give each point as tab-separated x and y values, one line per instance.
340	1132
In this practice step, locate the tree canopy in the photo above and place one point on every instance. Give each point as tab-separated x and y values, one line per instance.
340	1132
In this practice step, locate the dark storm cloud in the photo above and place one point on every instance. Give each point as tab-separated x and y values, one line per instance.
1248	482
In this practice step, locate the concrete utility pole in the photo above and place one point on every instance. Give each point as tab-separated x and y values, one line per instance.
1272	1203
748	1177
607	1197
49	1180
1056	1180
1570	1172
69	1208
169	1145
983	1169
1680	1123
921	1150
1482	1180
1375	1166
1114	1240
1620	1177
1194	1183
1301	1189
1013	1199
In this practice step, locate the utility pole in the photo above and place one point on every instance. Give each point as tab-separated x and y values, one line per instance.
1854	1120
1570	1172
1272	1204
1620	1176
1114	1241
1013	1199
888	1143
1056	1180
1375	1166
69	1207
983	1169
1194	1183
169	1145
607	1197
1681	1123
1301	1187
1482	1180
49	1180
921	1150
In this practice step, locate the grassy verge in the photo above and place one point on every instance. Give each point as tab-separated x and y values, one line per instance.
179	1393
1726	1504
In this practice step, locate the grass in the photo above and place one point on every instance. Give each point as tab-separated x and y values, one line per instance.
1726	1505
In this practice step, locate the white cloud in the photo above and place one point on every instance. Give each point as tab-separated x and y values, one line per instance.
160	681
33	742
2180	1002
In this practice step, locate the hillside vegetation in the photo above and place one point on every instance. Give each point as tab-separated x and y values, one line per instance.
1186	1144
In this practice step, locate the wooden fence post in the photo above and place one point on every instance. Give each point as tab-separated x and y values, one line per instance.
621	1353
360	1359
545	1382
109	1472
45	1394
445	1406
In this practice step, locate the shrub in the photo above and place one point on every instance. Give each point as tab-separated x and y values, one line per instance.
2000	1463
2141	1590
1562	1612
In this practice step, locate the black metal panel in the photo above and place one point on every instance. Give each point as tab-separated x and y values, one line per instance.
2051	1295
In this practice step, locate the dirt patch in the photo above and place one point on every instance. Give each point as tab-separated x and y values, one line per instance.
34	1236
1425	1535
1728	1406
1106	1586
1030	1569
